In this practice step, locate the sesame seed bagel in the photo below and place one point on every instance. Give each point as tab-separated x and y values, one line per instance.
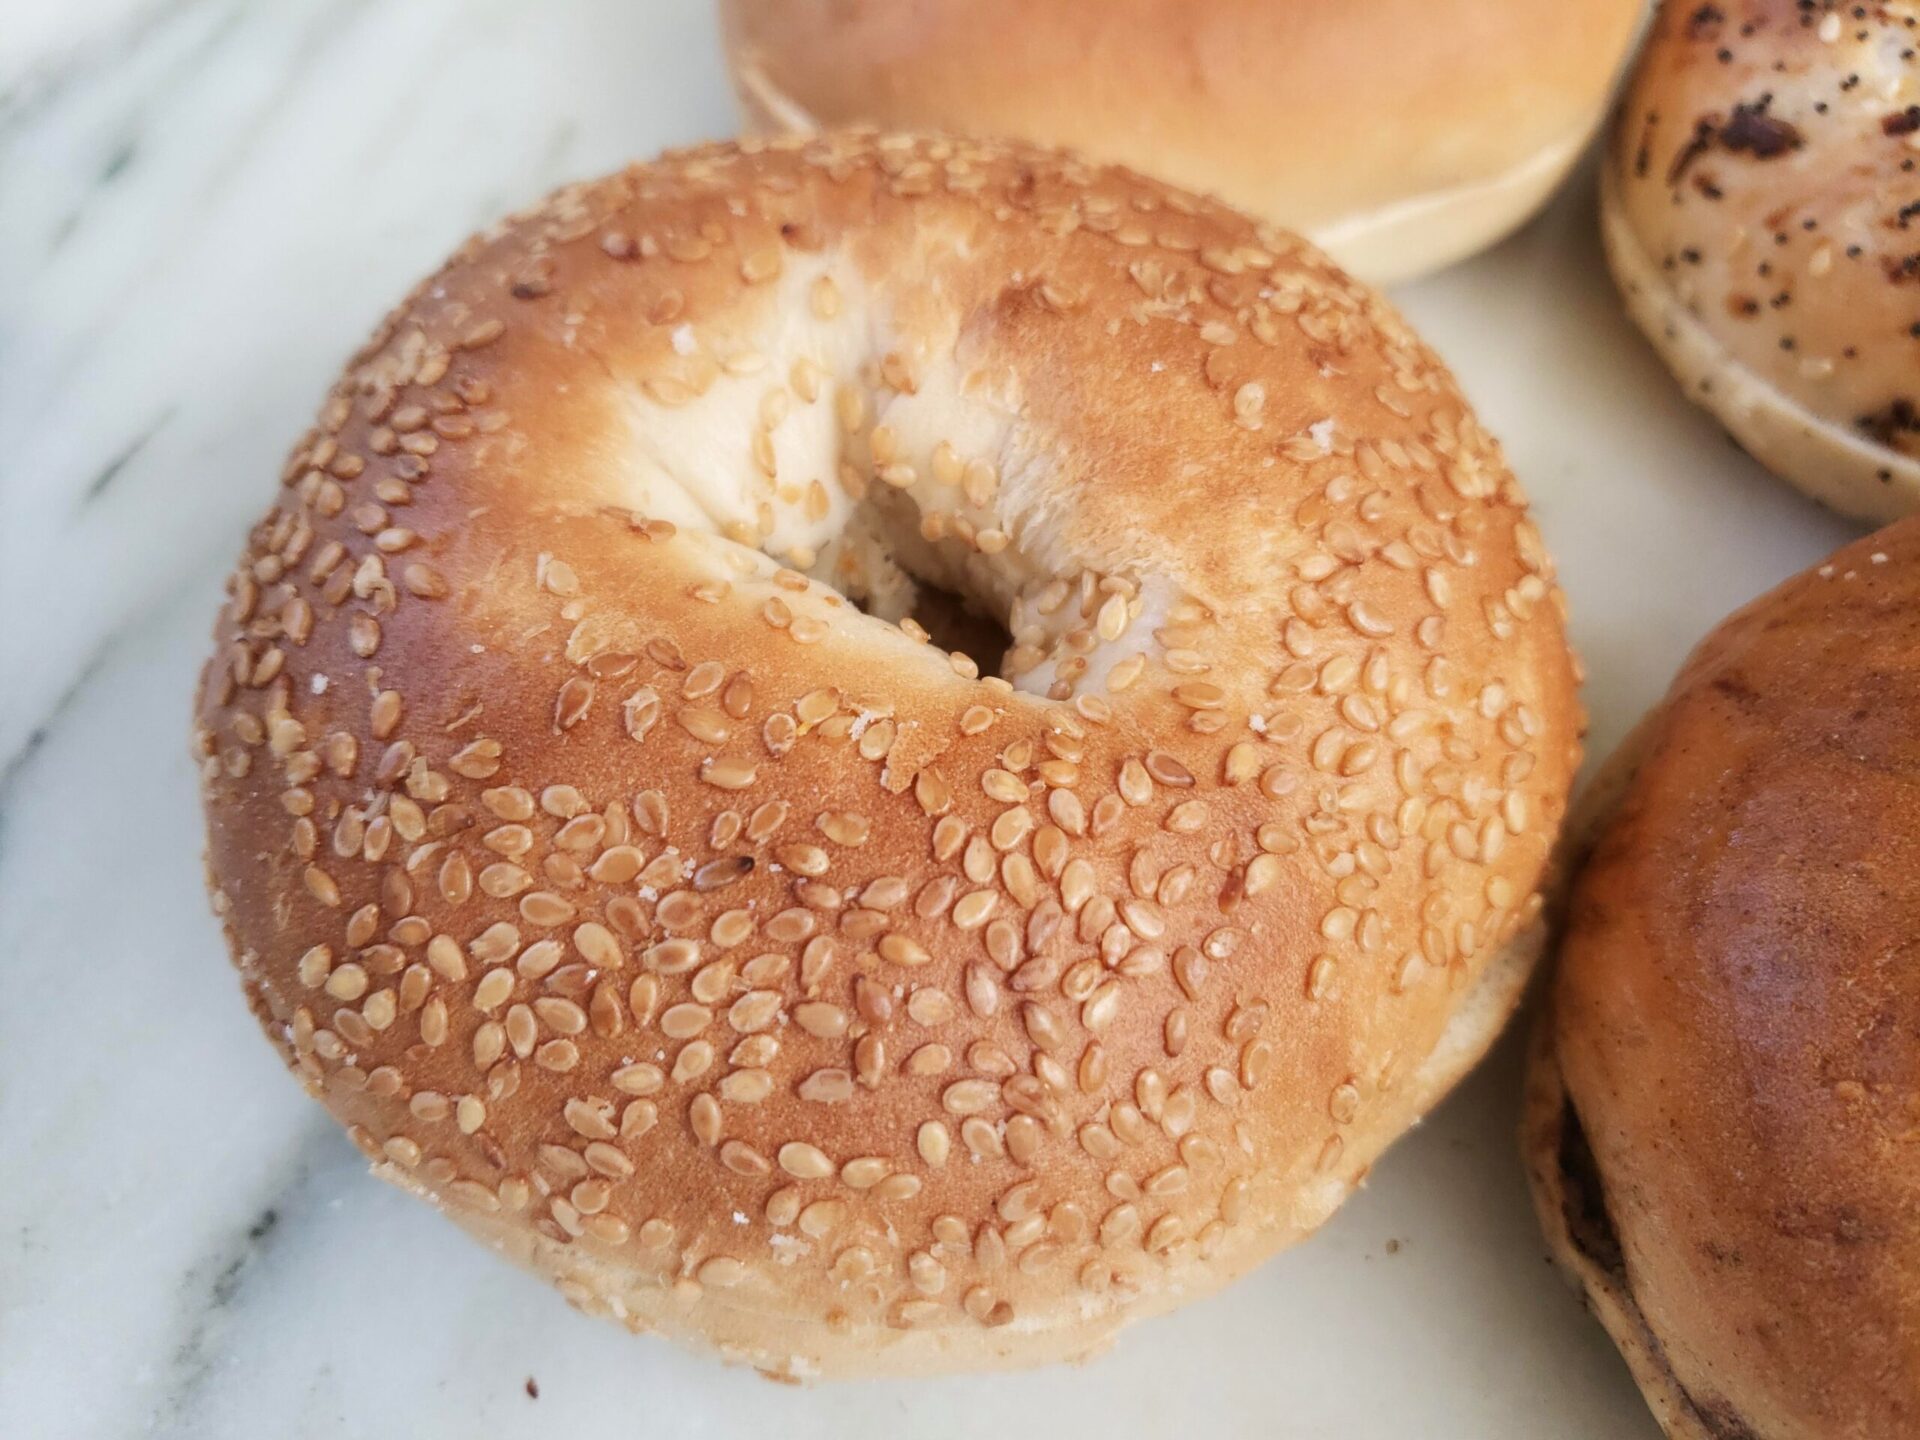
1760	205
601	837
1720	1108
1400	135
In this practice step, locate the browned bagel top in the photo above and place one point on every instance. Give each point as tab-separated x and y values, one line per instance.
1737	1015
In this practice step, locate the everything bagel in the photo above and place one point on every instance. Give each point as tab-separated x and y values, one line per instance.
1758	207
602	838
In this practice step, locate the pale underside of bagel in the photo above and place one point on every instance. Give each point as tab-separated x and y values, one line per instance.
1400	135
1409	238
1401	239
769	976
1831	461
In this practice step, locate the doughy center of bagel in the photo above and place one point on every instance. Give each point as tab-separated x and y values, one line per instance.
911	489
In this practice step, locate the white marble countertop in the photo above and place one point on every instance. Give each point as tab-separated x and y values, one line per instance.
203	205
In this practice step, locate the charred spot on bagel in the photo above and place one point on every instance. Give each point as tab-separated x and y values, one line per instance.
1890	426
1590	1231
1721	1420
1705	22
1749	130
827	740
1584	1198
1698	144
1752	130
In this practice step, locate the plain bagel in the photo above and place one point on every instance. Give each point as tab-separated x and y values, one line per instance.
1721	1107
769	976
1762	217
1399	135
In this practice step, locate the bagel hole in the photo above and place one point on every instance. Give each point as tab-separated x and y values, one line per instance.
890	570
955	623
915	581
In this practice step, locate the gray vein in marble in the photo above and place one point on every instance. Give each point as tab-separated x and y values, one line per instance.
54	375
115	166
118	161
114	468
304	66
545	171
176	75
227	194
14	765
43	85
243	1261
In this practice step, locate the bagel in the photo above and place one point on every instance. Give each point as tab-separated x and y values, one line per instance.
600	836
1720	1111
1400	135
1758	208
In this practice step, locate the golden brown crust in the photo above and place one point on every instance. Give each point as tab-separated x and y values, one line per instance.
1571	1204
1735	1017
1399	134
745	962
1761	193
